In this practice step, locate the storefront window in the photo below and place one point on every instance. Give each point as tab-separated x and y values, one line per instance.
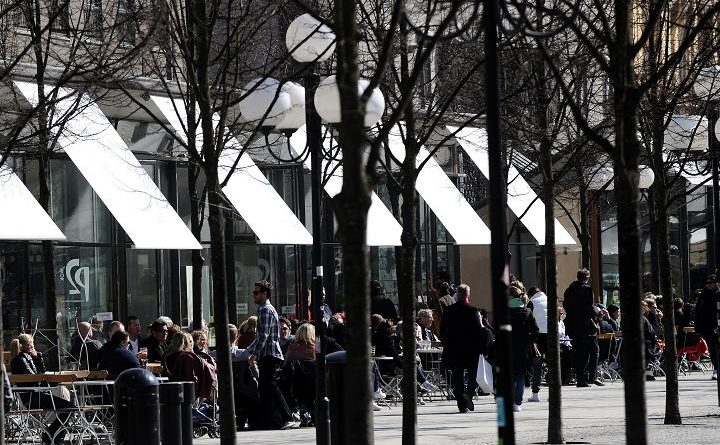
142	284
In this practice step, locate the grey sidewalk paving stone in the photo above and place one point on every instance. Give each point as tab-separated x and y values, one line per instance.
591	415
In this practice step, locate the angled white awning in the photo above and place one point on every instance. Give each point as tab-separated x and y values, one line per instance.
115	174
249	191
383	229
445	200
23	218
521	198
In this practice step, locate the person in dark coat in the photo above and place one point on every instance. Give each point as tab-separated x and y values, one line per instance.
380	304
582	328
155	342
461	335
116	356
706	319
524	335
85	349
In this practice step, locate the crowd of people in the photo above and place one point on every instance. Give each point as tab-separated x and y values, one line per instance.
274	358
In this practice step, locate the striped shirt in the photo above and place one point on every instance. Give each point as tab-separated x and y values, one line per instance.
266	342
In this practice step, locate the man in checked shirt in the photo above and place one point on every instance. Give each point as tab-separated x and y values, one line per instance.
267	354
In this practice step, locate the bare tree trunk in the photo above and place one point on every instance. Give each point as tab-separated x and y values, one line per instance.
2	353
220	307
584	235
351	207
196	207
660	226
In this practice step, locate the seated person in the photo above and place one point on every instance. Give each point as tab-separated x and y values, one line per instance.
155	342
26	360
83	348
247	332
336	329
384	344
112	329
424	326
183	365
285	337
117	357
298	374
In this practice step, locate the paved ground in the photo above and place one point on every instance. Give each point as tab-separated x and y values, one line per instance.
591	415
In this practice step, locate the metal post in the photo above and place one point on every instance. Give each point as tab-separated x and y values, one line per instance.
314	139
186	412
714	147
171	399
499	266
137	408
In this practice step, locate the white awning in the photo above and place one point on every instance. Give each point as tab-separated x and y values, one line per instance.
383	229
521	198
445	200
23	218
111	169
249	191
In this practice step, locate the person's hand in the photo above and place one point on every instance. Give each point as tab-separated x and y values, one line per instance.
32	351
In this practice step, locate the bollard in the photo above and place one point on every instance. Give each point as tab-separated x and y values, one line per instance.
171	399
335	364
137	408
186	409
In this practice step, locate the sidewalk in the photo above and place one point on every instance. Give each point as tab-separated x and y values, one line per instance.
590	415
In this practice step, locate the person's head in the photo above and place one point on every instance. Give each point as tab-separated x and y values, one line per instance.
561	313
97	324
650	304
159	331
167	320
463	293
181	341
262	292
385	327
84	329
249	326
305	334
23	343
583	275
425	318
232	334
133	327
517	292
336	320
376	289
532	291
172	330
200	340
678	304
614	311
284	328
119	339
375	320
114	327
442	287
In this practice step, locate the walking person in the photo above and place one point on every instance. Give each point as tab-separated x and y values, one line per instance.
582	328
538	306
266	352
706	323
461	335
524	336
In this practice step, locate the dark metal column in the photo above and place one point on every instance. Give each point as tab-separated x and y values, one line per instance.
714	147
499	267
314	140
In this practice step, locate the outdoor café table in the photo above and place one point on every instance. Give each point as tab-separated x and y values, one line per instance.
431	359
94	399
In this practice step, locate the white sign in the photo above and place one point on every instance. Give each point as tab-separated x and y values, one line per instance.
104	316
77	278
242	308
288	310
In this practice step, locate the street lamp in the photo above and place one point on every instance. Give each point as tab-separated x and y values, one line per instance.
707	87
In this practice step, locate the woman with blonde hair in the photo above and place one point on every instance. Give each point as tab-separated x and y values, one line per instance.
298	375
26	360
303	348
183	365
247	332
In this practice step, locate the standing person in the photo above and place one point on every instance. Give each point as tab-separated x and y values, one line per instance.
524	336
267	354
706	319
380	304
133	329
460	333
538	306
582	328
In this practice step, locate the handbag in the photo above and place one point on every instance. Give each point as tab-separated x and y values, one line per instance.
485	375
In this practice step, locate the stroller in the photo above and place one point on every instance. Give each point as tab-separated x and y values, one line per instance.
205	419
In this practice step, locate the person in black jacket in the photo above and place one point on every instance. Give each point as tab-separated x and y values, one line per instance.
117	357
524	335
26	360
380	304
461	335
155	342
582	328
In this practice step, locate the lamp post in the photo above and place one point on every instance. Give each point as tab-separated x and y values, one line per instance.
707	86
